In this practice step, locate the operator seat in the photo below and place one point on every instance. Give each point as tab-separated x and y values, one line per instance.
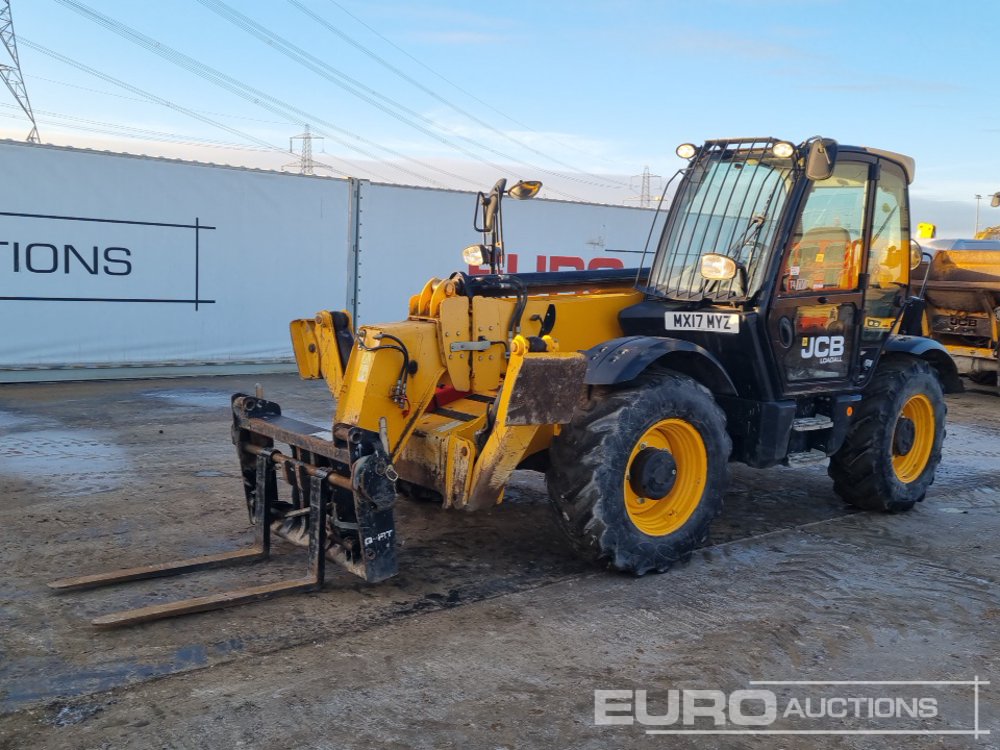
823	260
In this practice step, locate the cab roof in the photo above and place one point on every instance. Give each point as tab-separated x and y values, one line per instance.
908	163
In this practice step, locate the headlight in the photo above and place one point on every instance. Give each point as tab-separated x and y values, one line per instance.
525	189
686	150
715	267
783	149
473	255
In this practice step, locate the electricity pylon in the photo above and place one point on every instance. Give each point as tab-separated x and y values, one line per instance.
11	74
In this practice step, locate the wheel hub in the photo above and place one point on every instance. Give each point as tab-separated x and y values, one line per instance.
904	437
653	473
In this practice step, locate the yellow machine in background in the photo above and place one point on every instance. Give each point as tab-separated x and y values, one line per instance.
963	304
962	293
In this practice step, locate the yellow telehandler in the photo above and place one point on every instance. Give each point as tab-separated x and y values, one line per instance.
761	332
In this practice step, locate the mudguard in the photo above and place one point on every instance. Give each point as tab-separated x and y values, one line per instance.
624	359
932	351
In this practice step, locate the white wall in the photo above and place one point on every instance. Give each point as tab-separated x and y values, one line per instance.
408	235
275	248
199	263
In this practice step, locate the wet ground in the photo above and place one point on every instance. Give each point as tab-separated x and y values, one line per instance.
493	635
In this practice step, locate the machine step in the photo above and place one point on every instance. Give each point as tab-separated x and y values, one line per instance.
806	424
805	458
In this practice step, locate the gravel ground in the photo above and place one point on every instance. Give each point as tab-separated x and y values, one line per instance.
493	635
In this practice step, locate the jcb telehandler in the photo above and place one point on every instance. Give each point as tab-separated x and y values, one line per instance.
765	330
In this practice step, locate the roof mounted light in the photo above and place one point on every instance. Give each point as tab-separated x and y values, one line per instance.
783	149
686	150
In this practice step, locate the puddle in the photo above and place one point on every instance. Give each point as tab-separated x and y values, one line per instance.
199	397
70	462
12	421
33	679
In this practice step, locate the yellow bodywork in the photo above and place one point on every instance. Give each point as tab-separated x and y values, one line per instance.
481	398
963	307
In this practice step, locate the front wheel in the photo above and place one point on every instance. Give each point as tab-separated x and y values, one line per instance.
893	446
639	473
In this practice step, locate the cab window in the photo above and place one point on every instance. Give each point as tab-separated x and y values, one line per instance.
825	249
889	258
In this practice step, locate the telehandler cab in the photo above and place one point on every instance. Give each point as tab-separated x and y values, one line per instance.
765	331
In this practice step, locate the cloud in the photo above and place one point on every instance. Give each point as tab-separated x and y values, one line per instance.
460	37
427	23
711	43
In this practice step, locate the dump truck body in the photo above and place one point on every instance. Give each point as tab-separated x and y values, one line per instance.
963	304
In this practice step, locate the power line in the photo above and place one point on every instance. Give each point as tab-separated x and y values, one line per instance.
59	119
11	74
454	85
253	95
78	87
153	97
354	87
433	94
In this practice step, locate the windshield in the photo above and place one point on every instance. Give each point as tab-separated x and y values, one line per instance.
731	204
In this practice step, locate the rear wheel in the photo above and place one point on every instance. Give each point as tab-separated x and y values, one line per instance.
894	444
639	473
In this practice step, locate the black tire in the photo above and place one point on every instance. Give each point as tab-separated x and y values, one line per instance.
983	377
862	470
589	458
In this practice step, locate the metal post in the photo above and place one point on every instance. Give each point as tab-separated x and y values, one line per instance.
978	198
355	186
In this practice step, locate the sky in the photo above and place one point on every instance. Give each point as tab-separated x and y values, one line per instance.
582	95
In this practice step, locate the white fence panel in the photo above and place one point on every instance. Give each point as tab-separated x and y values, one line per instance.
111	260
407	235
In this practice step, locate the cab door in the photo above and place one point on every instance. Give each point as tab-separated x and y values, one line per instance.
888	264
818	306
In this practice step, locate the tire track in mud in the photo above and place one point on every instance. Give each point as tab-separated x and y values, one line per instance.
753	514
764	513
377	608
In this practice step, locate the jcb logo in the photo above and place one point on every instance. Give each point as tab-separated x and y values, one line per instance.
822	346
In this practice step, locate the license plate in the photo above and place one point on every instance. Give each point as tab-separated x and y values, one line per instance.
703	321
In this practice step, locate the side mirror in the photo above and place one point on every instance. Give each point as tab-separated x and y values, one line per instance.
995	201
491	205
821	159
916	254
490	212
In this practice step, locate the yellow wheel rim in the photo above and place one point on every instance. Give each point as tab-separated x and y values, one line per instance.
662	516
910	466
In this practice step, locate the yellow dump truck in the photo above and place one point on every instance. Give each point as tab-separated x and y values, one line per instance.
963	303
